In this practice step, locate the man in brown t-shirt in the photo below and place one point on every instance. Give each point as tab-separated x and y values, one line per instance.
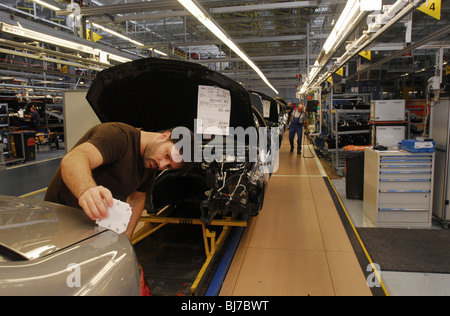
112	160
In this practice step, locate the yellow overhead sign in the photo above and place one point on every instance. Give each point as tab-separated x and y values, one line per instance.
433	8
96	36
366	54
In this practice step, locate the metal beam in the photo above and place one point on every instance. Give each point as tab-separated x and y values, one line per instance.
168	5
41	70
63	35
26	47
255	39
256	58
124	8
49	60
143	16
398	17
445	31
268	75
276	6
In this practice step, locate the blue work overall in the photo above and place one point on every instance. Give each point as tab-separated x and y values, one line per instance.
297	128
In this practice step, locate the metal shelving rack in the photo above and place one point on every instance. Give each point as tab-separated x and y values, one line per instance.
333	119
335	130
4	117
6	129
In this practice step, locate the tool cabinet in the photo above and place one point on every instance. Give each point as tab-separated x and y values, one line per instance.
398	188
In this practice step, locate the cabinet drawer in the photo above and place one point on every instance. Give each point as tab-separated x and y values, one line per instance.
406	160
405	175
405	184
403	216
405	168
412	199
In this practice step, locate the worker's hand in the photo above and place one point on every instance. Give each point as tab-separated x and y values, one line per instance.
95	202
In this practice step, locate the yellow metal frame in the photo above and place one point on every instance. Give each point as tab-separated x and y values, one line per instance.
212	244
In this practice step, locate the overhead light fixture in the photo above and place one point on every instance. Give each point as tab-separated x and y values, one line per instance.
47	5
352	14
129	39
117	34
343	25
195	9
20	31
159	52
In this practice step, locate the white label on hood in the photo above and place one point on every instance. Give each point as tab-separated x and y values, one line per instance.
266	105
214	110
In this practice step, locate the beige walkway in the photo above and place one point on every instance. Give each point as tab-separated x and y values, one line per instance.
297	245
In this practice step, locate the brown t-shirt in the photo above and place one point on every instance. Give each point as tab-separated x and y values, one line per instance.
122	171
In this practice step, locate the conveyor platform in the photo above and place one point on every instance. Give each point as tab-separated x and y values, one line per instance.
302	243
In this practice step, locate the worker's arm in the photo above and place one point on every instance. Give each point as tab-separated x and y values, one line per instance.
137	203
76	171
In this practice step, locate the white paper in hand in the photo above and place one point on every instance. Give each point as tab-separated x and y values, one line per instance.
119	217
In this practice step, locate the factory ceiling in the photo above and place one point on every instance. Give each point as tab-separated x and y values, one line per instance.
283	38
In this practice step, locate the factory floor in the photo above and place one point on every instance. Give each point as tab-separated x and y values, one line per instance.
298	244
302	243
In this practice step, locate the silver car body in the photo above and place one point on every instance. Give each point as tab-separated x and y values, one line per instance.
50	249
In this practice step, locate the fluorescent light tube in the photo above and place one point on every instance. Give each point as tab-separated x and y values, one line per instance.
159	52
371	5
343	25
117	34
209	23
20	31
350	15
44	4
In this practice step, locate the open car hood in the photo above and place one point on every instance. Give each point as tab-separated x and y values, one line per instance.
271	108
158	94
31	229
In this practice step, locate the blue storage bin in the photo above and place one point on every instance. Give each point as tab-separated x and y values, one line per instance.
416	146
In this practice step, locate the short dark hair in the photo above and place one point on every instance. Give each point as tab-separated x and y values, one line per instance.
187	165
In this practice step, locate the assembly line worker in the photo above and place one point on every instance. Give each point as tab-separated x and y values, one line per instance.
112	160
299	120
35	119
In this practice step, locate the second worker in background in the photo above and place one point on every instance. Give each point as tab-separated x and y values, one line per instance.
299	119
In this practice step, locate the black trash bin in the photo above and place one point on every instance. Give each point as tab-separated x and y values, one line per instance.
354	171
29	143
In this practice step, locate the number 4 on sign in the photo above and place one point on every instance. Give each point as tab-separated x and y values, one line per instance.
433	8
